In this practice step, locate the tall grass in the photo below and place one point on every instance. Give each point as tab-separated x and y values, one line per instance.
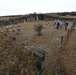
15	60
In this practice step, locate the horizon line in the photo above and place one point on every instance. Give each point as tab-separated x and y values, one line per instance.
33	13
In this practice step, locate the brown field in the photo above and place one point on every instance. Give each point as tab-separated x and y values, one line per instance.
49	41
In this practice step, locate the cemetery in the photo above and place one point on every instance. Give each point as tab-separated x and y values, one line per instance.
39	45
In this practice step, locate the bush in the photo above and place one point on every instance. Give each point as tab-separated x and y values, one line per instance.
38	28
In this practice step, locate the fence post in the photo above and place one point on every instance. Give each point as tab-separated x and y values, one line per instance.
61	40
57	71
68	33
71	28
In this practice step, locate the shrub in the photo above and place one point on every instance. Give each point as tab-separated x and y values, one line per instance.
38	28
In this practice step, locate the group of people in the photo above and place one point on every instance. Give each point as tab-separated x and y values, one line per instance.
58	23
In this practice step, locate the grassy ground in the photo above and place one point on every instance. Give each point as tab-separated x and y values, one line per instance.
68	56
49	41
15	60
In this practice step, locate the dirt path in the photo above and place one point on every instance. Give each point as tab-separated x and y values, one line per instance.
68	56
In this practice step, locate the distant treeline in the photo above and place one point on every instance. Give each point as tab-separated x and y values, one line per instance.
66	13
10	16
14	19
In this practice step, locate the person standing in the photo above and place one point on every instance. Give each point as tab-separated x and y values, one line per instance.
66	25
58	24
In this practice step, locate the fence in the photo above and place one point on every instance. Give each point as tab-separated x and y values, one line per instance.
63	42
65	39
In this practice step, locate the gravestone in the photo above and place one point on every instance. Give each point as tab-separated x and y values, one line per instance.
40	60
18	30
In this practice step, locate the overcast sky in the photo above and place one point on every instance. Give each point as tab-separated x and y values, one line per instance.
17	7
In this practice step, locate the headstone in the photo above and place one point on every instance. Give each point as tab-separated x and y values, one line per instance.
40	60
37	18
18	31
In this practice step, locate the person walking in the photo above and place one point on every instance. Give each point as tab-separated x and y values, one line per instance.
58	24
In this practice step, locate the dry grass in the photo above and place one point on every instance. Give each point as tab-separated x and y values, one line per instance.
49	41
68	56
15	60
